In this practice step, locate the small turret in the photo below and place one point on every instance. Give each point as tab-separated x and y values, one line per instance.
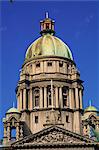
47	25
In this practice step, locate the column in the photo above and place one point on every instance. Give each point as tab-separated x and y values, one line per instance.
76	97
41	97
21	132
17	131
52	94
80	95
24	98
68	102
8	132
60	98
20	102
5	135
56	94
45	97
31	100
70	98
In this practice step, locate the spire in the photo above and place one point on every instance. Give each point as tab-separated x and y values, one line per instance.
90	103
46	15
47	25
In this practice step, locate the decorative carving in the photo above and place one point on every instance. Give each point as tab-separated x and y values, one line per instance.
53	117
55	137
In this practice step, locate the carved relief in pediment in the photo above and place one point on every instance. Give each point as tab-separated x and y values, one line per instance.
55	137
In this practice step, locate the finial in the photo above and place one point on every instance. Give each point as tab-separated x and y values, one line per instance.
13	105
46	15
90	103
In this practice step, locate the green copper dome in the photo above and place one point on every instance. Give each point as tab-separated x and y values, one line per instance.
48	45
13	110
91	108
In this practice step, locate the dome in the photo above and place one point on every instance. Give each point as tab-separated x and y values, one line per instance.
13	110
48	45
91	109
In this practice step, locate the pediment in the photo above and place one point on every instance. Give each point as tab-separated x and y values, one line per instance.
53	135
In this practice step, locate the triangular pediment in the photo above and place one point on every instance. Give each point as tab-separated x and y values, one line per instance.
53	135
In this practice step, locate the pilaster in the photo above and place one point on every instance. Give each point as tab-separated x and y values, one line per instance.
41	97
45	97
56	94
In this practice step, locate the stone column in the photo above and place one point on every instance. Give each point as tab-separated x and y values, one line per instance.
24	98
45	97
17	131
60	98
31	100
68	102
77	97
41	97
20	102
8	132
52	94
56	94
70	98
21	132
80	95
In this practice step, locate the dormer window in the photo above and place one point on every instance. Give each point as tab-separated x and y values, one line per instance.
47	25
49	64
60	64
37	64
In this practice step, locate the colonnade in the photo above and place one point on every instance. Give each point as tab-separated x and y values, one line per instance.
73	101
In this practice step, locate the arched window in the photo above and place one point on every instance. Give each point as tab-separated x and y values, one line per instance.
13	134
49	95
36	97
47	25
64	93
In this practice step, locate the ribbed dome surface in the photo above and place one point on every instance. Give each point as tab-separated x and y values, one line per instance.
13	110
48	45
90	108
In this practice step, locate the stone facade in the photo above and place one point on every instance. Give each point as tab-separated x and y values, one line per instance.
49	98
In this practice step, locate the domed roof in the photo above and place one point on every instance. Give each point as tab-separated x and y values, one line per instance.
13	110
91	109
48	45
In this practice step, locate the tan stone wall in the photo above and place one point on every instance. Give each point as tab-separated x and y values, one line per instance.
39	72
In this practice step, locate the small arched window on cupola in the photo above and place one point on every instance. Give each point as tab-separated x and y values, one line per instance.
65	96
36	97
47	25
